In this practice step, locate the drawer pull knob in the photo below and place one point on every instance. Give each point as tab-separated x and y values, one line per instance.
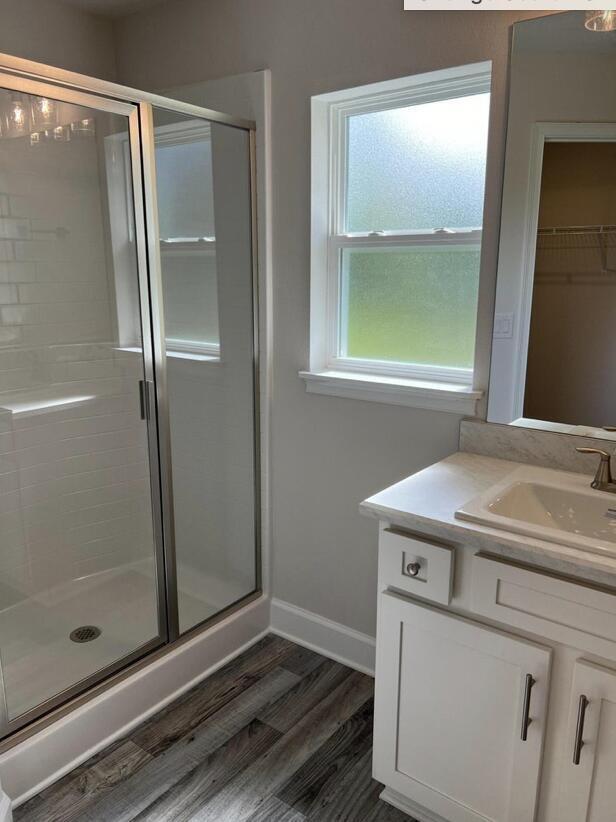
579	730
413	569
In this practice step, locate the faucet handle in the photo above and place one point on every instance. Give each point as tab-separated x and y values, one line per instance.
603	477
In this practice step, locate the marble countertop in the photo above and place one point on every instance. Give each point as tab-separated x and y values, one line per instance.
426	502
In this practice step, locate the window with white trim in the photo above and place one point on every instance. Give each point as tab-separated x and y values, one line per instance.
185	195
398	186
185	198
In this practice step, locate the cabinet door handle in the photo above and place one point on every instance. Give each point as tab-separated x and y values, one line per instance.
526	720
579	729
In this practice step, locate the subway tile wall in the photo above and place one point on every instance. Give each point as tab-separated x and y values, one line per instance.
74	475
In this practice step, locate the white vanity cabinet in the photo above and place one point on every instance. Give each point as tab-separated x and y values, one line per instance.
491	702
459	714
588	773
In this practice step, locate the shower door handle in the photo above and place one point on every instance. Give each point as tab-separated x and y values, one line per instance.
144	398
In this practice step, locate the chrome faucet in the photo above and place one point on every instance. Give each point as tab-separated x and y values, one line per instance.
603	478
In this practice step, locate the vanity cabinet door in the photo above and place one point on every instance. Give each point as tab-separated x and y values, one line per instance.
588	776
451	701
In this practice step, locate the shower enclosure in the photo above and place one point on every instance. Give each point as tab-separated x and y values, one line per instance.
129	493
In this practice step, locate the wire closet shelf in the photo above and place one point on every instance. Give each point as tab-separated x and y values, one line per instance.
577	238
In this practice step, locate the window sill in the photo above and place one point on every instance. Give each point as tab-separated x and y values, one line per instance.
436	396
185	355
176	355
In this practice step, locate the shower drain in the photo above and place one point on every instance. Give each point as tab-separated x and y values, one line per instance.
85	633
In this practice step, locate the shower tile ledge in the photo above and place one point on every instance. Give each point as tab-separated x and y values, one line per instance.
426	503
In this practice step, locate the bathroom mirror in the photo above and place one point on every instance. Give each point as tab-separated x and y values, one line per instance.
555	314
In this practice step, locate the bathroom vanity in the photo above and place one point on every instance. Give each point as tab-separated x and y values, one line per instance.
496	651
496	632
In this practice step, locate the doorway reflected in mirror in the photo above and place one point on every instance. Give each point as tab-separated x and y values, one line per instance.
569	373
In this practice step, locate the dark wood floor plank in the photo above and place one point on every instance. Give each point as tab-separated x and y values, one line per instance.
46	797
341	751
68	799
244	794
348	796
281	734
302	660
138	792
309	691
201	702
273	810
184	798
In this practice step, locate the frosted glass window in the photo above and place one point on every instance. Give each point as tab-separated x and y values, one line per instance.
185	190
191	298
185	193
397	211
419	167
411	305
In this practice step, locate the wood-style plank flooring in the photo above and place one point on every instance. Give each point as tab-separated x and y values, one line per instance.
280	734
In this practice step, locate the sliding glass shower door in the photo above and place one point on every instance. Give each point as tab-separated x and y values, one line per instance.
129	429
80	570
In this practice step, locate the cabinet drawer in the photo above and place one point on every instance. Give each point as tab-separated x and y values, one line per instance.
424	569
577	614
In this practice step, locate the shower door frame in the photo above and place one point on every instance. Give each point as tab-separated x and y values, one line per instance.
131	112
39	79
148	148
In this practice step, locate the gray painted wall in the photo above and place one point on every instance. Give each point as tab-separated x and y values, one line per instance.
51	32
328	453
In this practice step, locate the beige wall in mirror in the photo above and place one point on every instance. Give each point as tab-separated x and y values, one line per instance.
553	345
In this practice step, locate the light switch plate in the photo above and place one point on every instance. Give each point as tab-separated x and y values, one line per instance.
503	326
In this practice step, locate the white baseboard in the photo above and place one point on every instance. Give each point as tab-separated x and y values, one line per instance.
45	757
402	803
6	811
332	639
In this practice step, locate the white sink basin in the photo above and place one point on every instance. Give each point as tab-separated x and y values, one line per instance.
553	505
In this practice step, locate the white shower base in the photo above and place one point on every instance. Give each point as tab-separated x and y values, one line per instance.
39	660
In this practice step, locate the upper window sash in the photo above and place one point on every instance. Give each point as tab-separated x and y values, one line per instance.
427	92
